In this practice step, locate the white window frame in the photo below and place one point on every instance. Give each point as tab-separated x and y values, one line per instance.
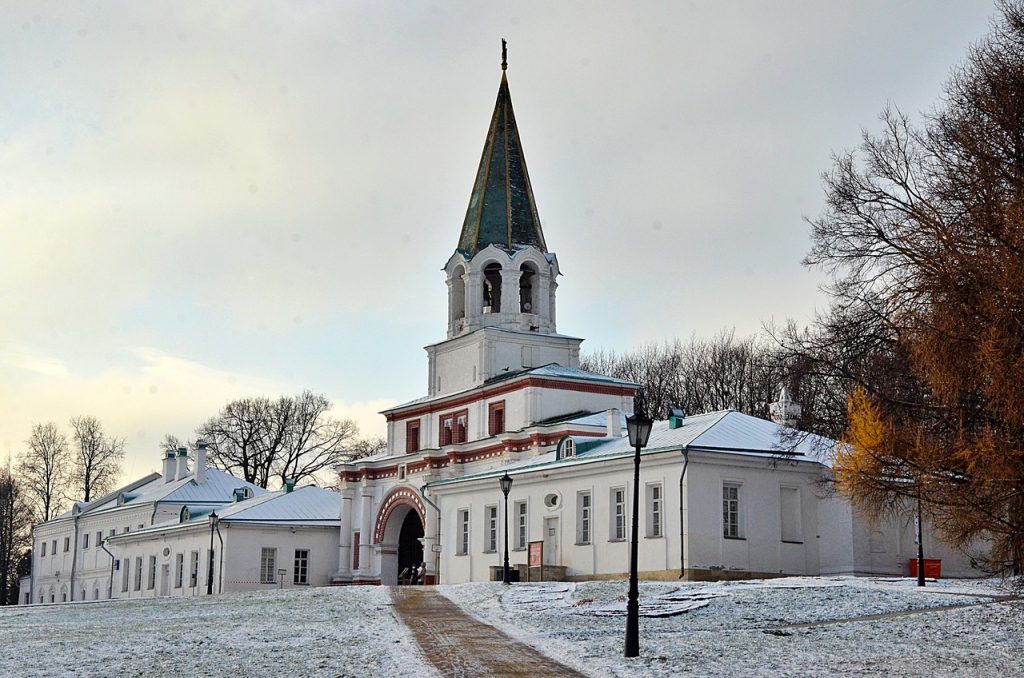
268	565
617	517
300	571
67	544
151	579
125	578
193	569
491	527
584	517
137	584
522	518
732	510
85	540
42	551
179	570
462	548
655	510
795	533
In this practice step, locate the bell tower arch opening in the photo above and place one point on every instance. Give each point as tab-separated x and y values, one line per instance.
399	531
492	288
527	289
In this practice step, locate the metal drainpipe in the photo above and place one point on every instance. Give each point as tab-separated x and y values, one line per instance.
437	555
110	584
682	524
220	569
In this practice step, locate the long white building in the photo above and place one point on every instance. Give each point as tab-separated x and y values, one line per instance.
185	532
505	394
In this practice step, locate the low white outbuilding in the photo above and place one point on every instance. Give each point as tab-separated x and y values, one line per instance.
275	540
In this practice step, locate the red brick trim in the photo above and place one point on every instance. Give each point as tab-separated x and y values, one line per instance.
517	385
400	496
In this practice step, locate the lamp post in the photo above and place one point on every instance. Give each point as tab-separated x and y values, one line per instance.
506	486
209	574
639	428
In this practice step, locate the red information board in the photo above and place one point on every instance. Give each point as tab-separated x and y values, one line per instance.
536	553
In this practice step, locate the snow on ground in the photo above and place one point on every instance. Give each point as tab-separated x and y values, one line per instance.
774	627
344	631
746	627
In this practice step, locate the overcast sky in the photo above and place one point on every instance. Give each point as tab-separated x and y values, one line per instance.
203	201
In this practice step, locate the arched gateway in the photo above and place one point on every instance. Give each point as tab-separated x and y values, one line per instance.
398	531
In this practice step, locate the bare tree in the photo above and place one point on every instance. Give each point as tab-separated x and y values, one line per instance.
291	437
44	468
15	533
700	375
367	447
922	237
97	458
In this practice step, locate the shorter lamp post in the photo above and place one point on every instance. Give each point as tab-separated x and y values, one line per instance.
506	486
209	574
639	428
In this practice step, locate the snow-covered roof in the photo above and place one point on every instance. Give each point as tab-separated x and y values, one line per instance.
727	432
304	505
218	488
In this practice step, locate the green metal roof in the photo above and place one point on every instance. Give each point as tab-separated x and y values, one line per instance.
502	210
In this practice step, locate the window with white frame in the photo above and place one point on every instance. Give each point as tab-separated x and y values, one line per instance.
151	580
300	574
463	546
53	547
67	544
193	569
521	524
179	570
491	525
124	575
268	563
584	510
43	551
655	510
99	538
618	511
138	573
789	505
85	540
731	511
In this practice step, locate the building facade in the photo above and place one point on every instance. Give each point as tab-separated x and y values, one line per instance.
723	494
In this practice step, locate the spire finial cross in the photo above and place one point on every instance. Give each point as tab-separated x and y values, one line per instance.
504	55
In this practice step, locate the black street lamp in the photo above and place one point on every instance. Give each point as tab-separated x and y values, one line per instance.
639	428
506	486
209	574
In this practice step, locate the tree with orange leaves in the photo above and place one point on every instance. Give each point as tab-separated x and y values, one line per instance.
923	235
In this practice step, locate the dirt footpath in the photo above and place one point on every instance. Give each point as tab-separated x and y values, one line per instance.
459	645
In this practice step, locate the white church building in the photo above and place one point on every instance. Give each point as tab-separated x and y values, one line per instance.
505	394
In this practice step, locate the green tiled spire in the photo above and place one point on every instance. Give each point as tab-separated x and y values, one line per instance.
502	210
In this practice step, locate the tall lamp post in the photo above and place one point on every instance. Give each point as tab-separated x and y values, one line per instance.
639	428
209	574
506	486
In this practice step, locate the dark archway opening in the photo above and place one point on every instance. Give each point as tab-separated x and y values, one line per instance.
410	550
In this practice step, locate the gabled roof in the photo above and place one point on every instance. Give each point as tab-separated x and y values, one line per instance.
502	210
218	488
304	506
726	432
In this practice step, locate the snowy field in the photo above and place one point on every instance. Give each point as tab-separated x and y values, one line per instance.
747	627
774	627
347	631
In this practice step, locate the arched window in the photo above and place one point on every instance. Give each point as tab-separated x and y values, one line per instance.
527	297
492	288
458	293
